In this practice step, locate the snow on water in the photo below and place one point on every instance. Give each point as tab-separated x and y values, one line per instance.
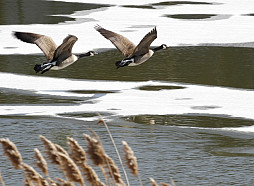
230	23
127	99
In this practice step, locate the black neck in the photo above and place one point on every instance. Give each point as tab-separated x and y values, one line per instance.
83	55
158	48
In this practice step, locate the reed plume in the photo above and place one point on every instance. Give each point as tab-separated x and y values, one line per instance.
11	151
153	182
52	182
114	172
130	158
32	176
41	162
78	155
50	150
28	182
95	150
91	176
97	154
61	149
70	169
62	182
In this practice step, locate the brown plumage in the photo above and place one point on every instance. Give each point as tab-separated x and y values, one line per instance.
124	45
134	55
57	57
45	43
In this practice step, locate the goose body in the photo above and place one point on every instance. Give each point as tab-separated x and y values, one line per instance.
134	55
57	57
63	64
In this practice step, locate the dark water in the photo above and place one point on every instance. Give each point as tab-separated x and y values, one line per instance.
209	65
192	149
39	12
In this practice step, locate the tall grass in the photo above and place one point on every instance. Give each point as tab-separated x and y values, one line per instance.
74	164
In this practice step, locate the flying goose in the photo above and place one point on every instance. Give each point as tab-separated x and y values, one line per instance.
134	55
57	57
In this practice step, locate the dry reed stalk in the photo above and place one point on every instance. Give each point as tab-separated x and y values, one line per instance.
11	151
172	182
41	162
78	155
33	177
153	182
70	169
1	179
113	142
50	150
62	182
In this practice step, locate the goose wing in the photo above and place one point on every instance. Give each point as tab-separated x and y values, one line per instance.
143	46
65	49
124	45
45	43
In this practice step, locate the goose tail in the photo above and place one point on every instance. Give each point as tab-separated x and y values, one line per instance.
43	68
37	68
118	64
124	62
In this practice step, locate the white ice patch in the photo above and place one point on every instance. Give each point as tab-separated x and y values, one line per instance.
128	99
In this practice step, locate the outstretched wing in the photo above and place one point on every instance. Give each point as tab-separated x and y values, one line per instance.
124	45
45	43
65	49
145	43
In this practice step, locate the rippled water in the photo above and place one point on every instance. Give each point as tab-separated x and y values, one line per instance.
187	112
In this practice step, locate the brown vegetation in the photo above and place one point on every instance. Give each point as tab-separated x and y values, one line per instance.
74	163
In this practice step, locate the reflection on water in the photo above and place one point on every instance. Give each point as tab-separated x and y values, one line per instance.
190	121
198	17
220	66
191	16
156	88
169	3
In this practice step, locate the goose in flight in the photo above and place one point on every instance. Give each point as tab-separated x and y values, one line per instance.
57	57
134	55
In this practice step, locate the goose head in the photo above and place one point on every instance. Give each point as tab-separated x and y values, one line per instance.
91	53
163	46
